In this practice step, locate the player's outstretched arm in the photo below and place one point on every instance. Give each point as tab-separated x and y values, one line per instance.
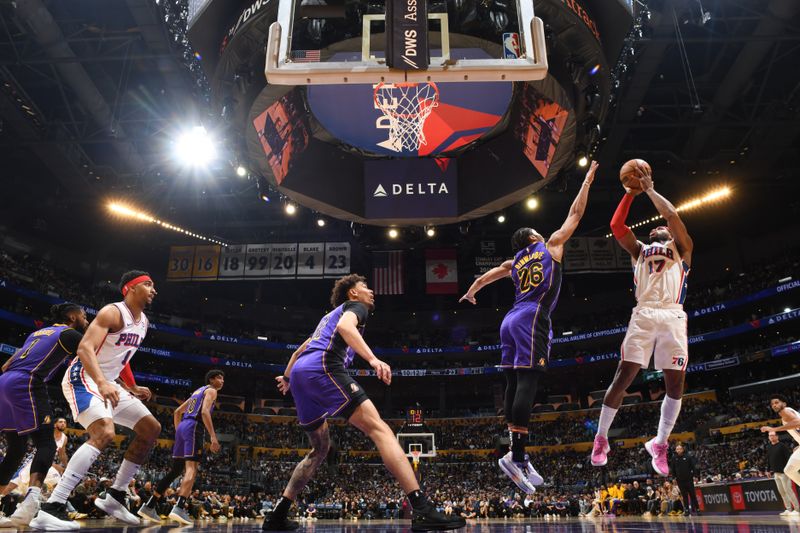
283	381
347	327
791	421
108	319
208	401
621	231
498	272
665	208
576	210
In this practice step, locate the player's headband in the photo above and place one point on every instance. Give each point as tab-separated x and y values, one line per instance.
134	281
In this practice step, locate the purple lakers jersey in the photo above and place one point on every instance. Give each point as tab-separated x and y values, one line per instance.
536	276
195	406
45	350
327	340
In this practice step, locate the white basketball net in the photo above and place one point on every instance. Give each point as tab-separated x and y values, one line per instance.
407	106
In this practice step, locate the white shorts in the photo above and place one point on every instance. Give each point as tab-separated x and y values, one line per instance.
662	331
88	406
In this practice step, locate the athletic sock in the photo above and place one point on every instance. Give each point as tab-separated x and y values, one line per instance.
607	415
418	500
151	503
34	493
670	409
281	510
519	438
124	475
79	464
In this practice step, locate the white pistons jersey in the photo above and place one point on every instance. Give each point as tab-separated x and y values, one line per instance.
660	275
793	432
118	348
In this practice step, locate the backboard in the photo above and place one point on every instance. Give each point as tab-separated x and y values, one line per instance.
355	42
414	441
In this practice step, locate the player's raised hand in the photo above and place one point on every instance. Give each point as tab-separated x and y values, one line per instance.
590	173
382	370
468	298
109	393
283	384
766	429
645	177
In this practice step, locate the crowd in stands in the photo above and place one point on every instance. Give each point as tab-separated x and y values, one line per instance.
47	278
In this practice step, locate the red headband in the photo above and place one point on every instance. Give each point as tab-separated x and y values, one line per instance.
134	281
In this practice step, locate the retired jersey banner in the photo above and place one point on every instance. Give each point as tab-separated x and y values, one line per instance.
259	261
441	271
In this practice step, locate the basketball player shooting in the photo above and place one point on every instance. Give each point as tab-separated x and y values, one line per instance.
658	322
526	331
322	388
98	402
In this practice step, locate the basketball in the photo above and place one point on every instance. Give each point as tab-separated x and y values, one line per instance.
627	174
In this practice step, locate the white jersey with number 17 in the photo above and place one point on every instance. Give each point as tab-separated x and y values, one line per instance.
659	275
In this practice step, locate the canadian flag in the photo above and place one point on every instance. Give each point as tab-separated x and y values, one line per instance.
441	271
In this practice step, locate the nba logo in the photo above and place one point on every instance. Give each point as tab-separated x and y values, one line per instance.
511	45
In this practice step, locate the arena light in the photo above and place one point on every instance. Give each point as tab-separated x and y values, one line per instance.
321	222
127	211
241	171
531	203
710	197
195	148
430	231
290	209
583	161
501	218
393	233
787	309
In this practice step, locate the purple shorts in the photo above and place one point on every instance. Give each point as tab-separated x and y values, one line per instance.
525	338
322	389
189	438
24	403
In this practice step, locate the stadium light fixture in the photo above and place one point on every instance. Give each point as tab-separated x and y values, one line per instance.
241	171
583	161
787	309
393	233
430	231
531	203
501	218
321	222
127	211
196	148
290	209
710	197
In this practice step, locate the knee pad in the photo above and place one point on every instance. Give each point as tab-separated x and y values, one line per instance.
45	450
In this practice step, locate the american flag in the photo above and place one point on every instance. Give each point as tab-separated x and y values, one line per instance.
305	56
387	272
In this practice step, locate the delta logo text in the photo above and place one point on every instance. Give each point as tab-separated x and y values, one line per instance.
411	189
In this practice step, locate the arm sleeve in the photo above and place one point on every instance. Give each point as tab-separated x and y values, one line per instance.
359	309
127	376
69	340
618	227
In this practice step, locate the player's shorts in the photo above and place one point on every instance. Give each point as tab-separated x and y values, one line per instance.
322	389
189	438
657	330
24	403
88	406
525	336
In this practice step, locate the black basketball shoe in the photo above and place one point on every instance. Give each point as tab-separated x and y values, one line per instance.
279	524
429	519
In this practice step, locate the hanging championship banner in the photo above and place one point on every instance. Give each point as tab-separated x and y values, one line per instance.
206	263
283	261
232	262
257	261
337	259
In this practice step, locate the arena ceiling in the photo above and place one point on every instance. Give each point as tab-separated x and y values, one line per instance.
93	92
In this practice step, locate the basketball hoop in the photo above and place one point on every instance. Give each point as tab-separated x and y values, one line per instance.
407	106
415	458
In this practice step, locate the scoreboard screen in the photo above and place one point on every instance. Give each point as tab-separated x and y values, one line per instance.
414	415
